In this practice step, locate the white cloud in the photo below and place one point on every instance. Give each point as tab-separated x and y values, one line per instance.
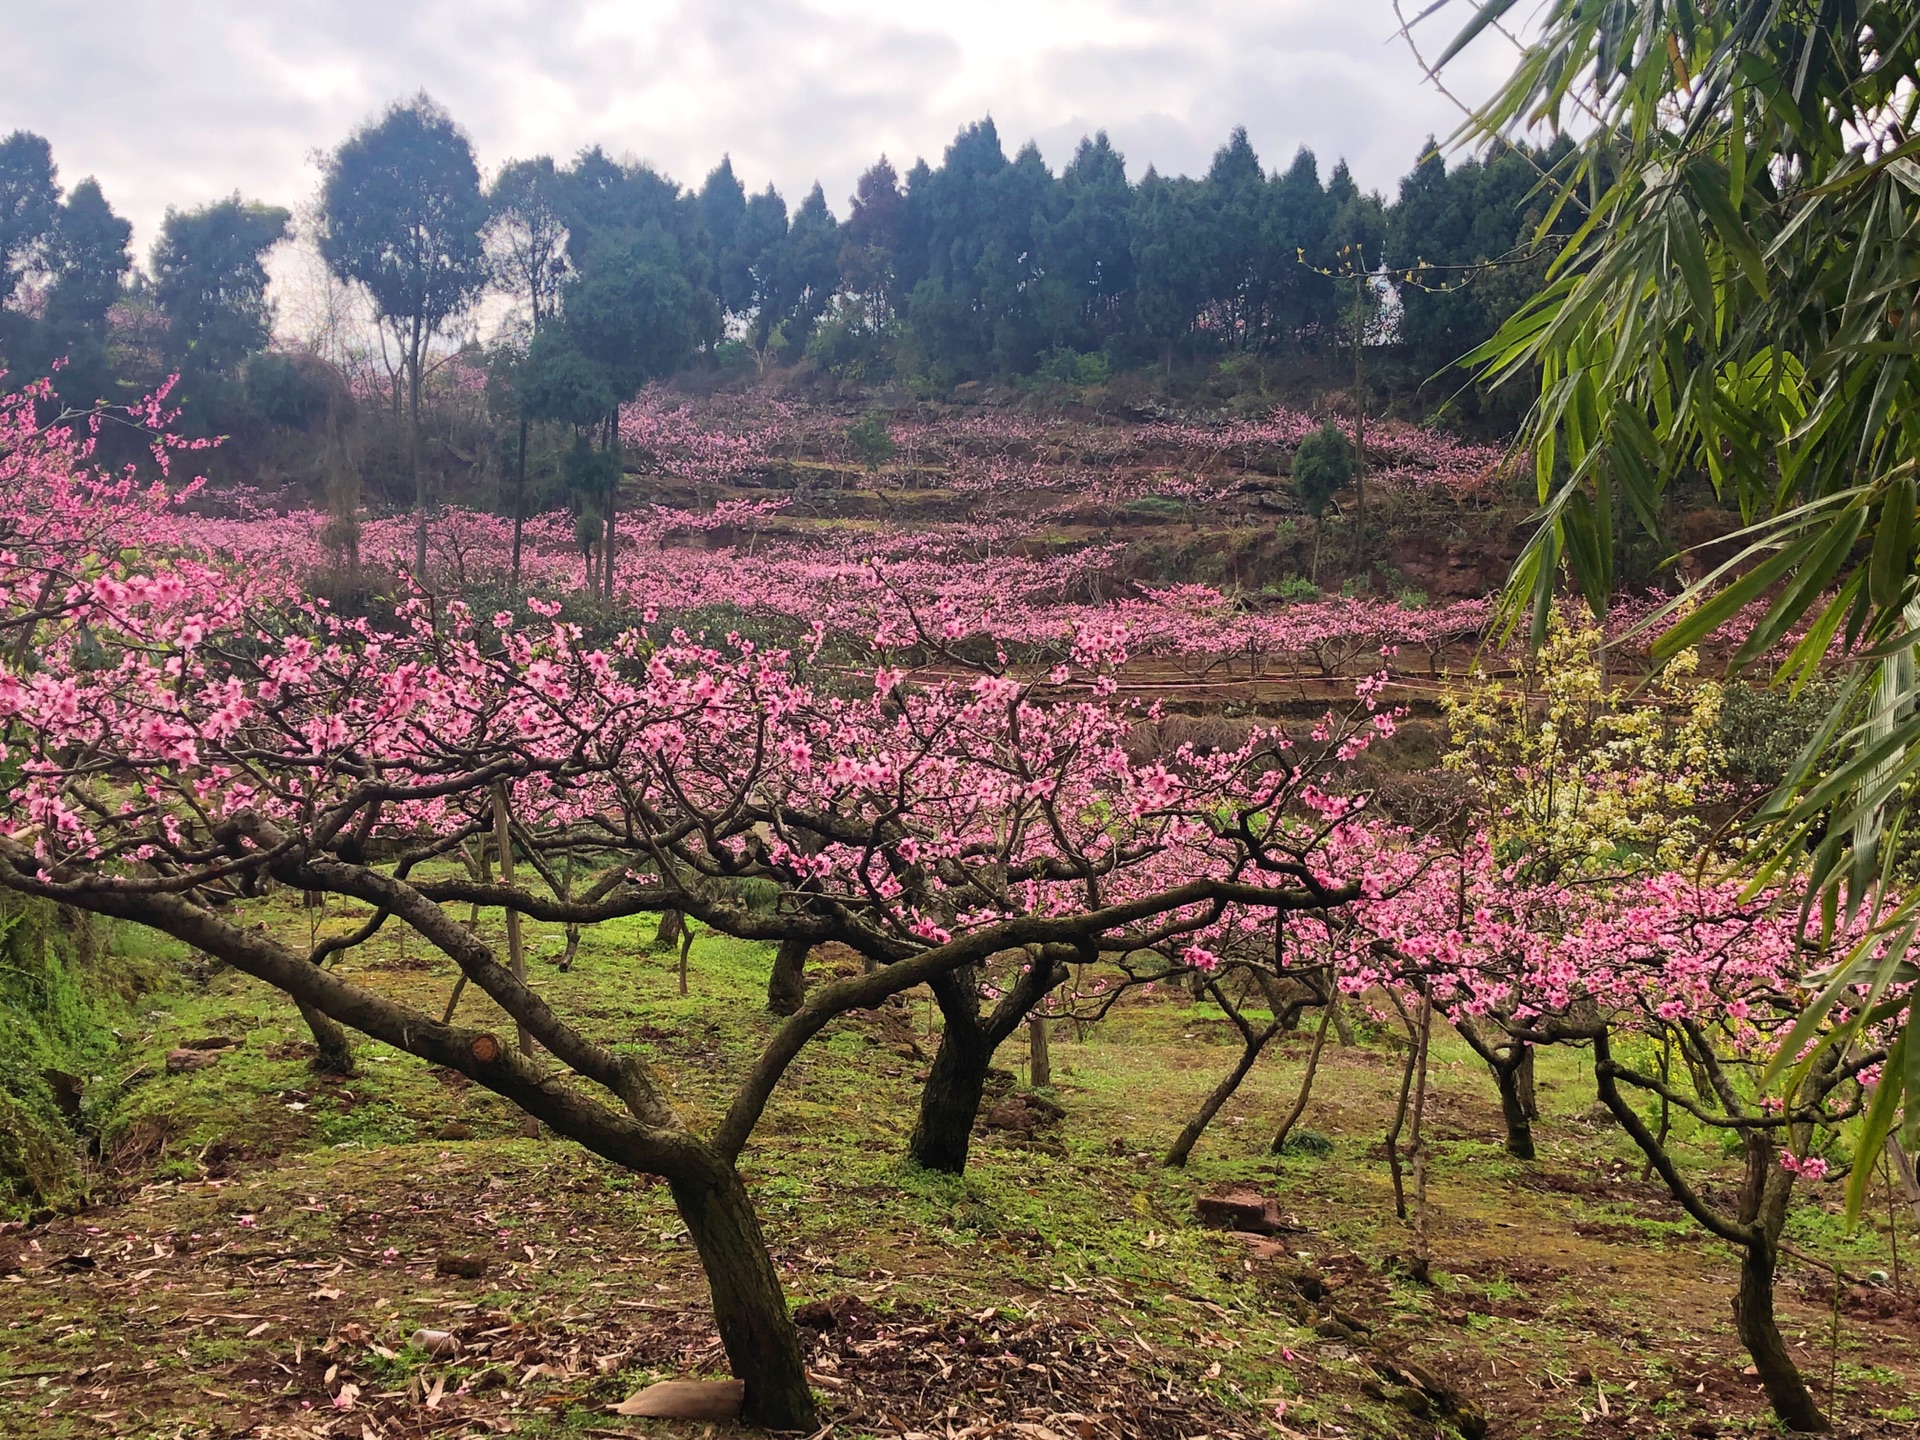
181	103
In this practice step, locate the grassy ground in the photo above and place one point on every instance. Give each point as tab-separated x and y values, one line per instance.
276	1239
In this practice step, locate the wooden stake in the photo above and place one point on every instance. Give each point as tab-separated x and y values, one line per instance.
516	954
1039	1061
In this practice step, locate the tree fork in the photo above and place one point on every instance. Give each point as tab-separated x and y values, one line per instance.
1513	1102
1756	1234
1512	1071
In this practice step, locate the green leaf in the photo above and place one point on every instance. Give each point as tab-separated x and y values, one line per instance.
1878	1123
1892	543
1484	14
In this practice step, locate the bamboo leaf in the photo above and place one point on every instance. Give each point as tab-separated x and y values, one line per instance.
1878	1124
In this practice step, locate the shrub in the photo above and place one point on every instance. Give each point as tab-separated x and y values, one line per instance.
284	390
1764	728
870	440
1070	367
1322	466
847	347
1156	506
1307	1142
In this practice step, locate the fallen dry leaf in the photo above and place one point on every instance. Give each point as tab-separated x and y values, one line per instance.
686	1400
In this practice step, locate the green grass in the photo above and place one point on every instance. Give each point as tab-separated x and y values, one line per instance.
1532	1285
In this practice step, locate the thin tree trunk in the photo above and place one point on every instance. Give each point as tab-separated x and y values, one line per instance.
1417	1149
453	1000
1223	1092
23	647
749	1308
1400	1113
613	500
606	546
414	359
333	1050
1359	416
1306	1082
516	954
787	985
686	949
1342	1029
1666	1106
1893	1221
667	937
1039	1057
519	503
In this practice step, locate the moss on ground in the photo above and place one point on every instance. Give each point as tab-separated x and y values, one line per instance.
68	986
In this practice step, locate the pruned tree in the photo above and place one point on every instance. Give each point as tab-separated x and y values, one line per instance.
247	741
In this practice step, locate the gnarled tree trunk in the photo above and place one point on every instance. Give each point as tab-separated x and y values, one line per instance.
1510	1061
333	1049
1299	1108
749	1308
950	1100
1753	1318
787	985
1514	1079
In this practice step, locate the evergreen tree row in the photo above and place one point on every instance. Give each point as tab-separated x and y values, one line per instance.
979	267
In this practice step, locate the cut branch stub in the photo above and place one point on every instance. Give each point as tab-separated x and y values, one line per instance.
485	1049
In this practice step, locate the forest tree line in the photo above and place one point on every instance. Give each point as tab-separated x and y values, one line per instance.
982	266
611	275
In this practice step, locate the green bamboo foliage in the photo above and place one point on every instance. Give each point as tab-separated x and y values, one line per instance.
1739	307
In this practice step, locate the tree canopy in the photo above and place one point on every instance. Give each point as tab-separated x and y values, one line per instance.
210	279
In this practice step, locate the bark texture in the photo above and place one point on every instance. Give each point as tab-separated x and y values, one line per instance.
950	1100
787	985
1759	1331
333	1048
957	1079
749	1309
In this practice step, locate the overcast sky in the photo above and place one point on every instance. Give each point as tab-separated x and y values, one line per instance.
183	102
